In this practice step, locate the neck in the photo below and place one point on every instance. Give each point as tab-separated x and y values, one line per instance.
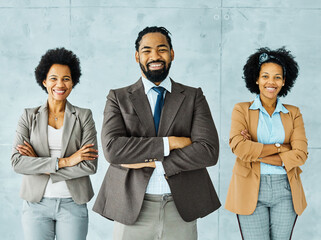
267	102
55	106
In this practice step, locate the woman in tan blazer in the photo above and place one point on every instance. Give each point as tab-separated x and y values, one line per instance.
268	139
56	150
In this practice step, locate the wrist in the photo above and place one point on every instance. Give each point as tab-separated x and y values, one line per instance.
63	162
171	143
278	147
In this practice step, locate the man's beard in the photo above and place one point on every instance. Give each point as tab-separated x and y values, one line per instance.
156	75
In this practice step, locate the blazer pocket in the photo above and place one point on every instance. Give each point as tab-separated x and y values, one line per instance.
241	170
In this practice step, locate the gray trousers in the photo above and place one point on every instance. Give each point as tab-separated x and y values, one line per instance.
158	219
274	216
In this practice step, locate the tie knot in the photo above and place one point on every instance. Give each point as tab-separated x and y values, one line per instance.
159	90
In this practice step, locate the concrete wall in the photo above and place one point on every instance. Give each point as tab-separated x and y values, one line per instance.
212	40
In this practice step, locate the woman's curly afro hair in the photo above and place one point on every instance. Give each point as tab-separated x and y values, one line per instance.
58	56
282	57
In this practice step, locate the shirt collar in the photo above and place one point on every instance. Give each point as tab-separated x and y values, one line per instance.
148	85
257	104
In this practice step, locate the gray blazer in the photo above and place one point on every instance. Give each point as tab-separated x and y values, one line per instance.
79	130
128	136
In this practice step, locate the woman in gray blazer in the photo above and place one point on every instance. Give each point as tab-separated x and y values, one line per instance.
56	150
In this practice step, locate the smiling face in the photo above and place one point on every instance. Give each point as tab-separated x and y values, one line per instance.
58	82
154	56
270	81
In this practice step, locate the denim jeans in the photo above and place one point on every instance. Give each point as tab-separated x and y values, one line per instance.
54	217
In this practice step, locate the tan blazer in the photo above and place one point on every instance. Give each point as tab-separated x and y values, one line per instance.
243	191
79	130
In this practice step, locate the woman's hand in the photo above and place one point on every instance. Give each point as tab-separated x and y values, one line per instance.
246	135
86	153
286	147
273	160
26	150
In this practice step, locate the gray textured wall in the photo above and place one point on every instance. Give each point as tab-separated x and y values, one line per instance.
211	39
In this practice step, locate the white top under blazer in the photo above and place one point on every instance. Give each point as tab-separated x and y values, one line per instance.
58	189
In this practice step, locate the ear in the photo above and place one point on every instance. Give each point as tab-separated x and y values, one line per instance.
172	54
137	57
283	82
44	83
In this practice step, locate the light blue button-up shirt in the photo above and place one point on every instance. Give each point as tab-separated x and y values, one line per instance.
157	183
270	130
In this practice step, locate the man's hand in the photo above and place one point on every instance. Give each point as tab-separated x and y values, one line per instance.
139	165
178	142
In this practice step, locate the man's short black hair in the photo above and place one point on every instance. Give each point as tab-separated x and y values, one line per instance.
282	57
58	56
153	29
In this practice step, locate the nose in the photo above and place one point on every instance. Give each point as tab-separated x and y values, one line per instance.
60	82
271	80
154	55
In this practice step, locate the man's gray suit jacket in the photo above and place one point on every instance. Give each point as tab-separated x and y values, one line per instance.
128	136
78	130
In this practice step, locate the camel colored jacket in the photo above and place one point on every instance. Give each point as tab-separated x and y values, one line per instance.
243	191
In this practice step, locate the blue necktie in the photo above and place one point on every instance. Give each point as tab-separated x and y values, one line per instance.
158	106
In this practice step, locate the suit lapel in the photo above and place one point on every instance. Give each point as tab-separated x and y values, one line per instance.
172	103
69	122
142	107
41	129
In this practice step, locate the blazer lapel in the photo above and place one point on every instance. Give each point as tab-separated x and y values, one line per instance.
69	122
41	130
253	121
142	107
172	103
287	125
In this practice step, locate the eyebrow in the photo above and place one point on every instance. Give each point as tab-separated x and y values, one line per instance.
53	75
269	74
161	45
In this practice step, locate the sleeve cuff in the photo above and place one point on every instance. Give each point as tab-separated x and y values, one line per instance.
166	146
57	164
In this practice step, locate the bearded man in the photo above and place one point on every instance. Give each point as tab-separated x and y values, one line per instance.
159	137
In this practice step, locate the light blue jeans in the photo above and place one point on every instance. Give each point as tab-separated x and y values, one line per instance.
54	217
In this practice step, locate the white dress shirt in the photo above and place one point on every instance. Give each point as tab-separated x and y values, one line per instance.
157	183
